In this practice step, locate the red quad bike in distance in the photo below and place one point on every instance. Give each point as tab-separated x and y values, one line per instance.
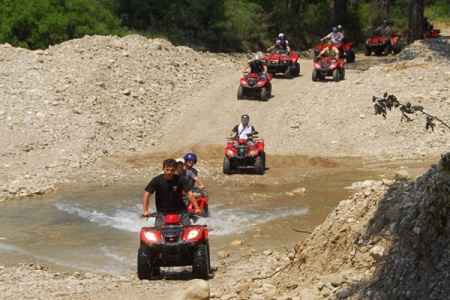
381	44
325	67
344	52
242	155
431	33
282	61
172	245
253	86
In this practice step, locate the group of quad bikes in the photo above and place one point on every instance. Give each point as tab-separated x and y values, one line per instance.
173	244
286	63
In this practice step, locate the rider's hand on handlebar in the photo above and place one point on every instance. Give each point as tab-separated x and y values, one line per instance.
146	214
198	211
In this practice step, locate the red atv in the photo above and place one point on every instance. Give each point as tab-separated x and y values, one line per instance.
254	86
431	33
282	61
381	44
202	200
173	244
345	51
326	67
241	153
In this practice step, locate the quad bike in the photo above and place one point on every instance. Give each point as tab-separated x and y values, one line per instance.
173	244
345	51
254	86
239	154
282	61
431	33
202	200
326	67
381	44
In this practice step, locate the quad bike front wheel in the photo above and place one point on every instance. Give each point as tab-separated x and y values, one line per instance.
336	75
259	165
289	72
240	93
201	264
314	76
264	94
388	49
226	166
145	269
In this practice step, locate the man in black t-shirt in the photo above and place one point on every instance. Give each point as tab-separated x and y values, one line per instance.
257	66
168	194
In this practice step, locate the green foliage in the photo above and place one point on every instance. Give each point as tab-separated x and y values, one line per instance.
215	25
40	23
439	11
245	26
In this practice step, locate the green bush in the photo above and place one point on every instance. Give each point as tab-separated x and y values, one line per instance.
39	23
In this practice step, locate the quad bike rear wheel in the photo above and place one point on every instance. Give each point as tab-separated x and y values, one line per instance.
296	69
240	93
259	165
226	166
200	266
342	73
350	56
336	75
367	50
144	265
289	72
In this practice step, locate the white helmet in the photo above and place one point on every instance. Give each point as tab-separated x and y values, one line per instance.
280	35
257	57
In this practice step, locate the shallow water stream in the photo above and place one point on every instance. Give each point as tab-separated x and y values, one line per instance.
96	228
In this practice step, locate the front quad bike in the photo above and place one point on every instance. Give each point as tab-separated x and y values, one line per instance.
325	67
381	44
244	155
253	86
282	61
172	245
345	51
202	200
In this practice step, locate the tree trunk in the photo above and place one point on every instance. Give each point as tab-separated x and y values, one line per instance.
415	20
339	8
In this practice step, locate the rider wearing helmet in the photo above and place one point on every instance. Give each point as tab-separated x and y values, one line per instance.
385	30
281	44
335	36
256	66
190	160
243	130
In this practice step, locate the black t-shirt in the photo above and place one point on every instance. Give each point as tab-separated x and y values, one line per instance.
168	193
256	67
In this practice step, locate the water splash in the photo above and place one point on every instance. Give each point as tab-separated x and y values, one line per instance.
222	222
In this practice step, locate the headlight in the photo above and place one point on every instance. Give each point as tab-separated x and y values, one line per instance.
193	234
253	152
260	83
150	236
229	153
244	83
